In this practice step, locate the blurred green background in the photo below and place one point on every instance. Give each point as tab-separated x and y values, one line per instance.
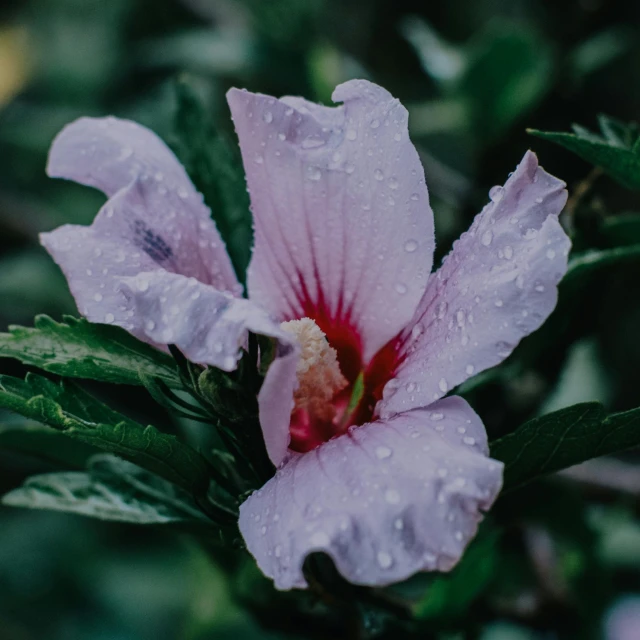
474	75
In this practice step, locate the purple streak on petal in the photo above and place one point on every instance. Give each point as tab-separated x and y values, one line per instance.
341	209
210	327
498	284
111	155
385	501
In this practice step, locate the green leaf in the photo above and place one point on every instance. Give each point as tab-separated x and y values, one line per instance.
615	150
215	167
584	263
111	489
71	410
80	349
449	597
564	438
621	230
33	439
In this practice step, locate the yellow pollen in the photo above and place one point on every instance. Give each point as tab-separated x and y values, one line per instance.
318	372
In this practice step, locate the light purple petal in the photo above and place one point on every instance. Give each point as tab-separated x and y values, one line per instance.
386	500
112	155
622	620
498	284
342	217
210	327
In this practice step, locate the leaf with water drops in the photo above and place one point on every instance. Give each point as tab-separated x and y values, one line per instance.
564	438
111	489
80	349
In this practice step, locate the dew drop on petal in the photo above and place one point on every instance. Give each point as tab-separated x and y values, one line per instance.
383	452
392	496
496	193
320	539
384	559
442	385
400	288
267	116
487	237
378	175
410	246
352	134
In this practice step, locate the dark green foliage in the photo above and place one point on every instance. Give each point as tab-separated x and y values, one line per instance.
213	162
615	150
71	410
76	348
564	438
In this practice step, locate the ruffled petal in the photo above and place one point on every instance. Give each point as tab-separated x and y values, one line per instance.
112	155
386	500
344	230
498	284
210	327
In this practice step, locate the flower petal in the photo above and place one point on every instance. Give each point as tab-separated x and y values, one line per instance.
498	284
386	500
210	327
343	225
111	155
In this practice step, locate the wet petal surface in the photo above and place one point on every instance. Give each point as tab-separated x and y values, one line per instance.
386	500
498	284
344	230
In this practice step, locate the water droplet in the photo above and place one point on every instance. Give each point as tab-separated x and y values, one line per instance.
469	440
375	123
415	197
352	134
277	552
470	369
530	234
393	183
397	137
400	288
313	173
378	175
383	452
539	200
441	310
498	303
257	158
109	318
508	252
399	524
97	297
312	142
392	496
551	254
417	330
496	193
539	287
267	116
435	416
410	246
487	237
460	317
384	559
320	539
442	385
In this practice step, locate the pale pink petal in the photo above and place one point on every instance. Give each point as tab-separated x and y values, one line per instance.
498	284
210	327
112	155
385	501
343	226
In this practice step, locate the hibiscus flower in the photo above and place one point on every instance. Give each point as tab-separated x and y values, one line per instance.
374	465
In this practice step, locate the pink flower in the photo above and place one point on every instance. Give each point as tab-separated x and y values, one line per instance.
344	238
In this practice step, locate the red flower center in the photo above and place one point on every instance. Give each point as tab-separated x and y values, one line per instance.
353	403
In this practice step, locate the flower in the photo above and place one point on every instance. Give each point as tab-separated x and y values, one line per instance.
375	466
